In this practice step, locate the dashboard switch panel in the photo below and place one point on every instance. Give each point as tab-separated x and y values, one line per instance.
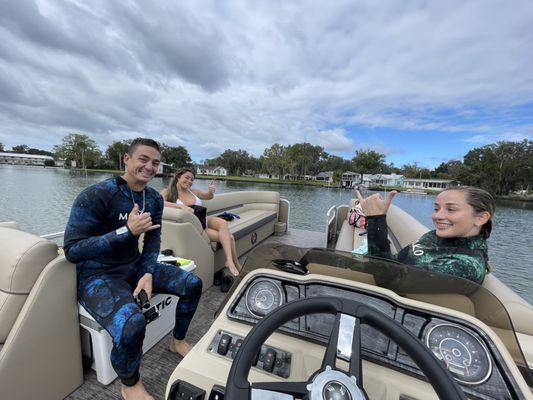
269	359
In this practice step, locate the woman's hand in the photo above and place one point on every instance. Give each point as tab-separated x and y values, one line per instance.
375	204
211	187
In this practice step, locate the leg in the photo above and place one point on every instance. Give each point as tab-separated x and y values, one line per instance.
234	254
173	280
108	298
221	228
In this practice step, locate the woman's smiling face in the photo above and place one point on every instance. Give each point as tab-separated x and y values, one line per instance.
454	217
185	181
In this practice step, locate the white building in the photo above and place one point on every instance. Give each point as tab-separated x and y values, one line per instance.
350	179
207	170
326	176
387	180
435	184
24	159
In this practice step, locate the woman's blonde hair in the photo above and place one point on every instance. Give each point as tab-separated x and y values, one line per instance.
481	201
172	195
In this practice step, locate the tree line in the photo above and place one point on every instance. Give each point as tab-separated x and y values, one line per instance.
500	168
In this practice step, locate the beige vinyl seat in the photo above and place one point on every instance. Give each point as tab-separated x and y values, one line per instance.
260	212
40	354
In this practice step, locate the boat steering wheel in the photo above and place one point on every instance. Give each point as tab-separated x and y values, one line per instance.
336	383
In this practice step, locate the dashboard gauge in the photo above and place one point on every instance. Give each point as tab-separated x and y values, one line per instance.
462	353
263	296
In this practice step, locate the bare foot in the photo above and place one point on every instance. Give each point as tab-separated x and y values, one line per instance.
233	269
180	346
135	392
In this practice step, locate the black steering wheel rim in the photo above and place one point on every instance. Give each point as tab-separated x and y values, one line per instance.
238	387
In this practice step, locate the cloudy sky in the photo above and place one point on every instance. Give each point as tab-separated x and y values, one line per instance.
420	81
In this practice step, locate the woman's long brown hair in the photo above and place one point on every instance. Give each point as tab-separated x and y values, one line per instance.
172	195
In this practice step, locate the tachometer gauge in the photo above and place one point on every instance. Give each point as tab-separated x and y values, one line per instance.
263	297
462	353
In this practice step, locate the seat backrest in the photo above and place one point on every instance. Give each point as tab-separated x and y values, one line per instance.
257	199
22	260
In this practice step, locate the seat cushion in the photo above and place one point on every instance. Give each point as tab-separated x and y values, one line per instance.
250	220
23	258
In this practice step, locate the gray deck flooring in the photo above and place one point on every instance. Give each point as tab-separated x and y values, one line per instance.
159	363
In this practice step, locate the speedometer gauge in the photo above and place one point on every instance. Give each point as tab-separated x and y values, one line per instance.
462	353
263	297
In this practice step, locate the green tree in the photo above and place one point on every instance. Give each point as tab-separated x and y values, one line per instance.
1	146
177	156
32	150
273	161
453	169
501	167
115	153
236	162
21	148
80	148
304	158
369	162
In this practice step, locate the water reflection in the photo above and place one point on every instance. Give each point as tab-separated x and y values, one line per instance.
40	200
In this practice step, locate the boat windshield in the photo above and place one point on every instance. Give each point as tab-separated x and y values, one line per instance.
407	281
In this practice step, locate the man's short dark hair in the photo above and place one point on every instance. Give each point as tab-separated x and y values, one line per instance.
143	142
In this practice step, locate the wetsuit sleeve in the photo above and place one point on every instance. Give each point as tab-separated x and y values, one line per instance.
152	240
378	242
81	242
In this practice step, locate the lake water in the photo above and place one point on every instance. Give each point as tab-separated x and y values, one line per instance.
39	199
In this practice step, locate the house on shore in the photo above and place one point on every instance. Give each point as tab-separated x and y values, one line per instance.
326	176
432	184
387	180
207	170
28	159
350	179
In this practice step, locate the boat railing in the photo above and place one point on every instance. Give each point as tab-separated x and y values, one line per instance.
331	225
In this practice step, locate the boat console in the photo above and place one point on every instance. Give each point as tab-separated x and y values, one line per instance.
354	327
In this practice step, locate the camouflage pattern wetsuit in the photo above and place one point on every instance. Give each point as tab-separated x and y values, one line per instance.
109	265
463	257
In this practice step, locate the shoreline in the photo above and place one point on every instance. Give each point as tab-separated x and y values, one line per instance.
509	197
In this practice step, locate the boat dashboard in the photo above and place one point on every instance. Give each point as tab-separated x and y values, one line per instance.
445	321
469	354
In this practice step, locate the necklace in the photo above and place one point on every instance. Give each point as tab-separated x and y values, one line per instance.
144	200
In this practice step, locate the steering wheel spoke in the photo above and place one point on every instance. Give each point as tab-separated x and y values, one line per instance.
355	367
330	356
296	389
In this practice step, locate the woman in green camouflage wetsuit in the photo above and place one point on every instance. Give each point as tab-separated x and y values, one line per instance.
457	246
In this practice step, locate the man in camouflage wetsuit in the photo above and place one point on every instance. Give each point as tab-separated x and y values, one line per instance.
102	237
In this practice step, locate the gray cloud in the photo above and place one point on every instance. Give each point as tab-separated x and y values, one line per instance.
215	75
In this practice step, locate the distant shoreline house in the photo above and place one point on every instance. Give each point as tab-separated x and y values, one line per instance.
207	170
436	184
28	159
350	179
326	176
164	168
387	180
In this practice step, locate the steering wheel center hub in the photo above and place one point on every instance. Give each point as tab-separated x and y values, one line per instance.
331	384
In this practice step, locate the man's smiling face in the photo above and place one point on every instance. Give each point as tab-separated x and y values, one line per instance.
141	166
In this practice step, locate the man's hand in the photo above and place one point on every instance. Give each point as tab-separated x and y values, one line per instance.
211	187
375	204
144	283
140	223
